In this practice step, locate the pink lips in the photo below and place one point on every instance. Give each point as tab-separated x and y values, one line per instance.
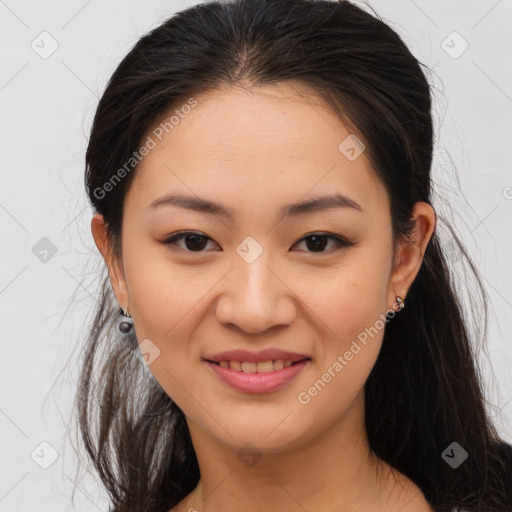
258	382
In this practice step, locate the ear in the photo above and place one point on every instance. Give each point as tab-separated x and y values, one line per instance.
410	251
100	235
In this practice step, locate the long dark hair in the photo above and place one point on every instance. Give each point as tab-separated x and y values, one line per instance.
425	391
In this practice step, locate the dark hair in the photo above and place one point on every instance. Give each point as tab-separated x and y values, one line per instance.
425	390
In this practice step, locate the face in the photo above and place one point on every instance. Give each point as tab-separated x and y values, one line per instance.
312	282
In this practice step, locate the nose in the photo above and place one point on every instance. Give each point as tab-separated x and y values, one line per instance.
254	297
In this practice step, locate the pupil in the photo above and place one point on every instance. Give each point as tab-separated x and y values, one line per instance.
319	242
196	244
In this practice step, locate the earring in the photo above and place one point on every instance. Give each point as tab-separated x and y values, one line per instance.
125	324
400	302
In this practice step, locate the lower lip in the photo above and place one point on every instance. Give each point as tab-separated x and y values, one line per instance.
258	382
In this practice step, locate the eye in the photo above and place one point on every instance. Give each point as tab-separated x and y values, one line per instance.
318	241
196	242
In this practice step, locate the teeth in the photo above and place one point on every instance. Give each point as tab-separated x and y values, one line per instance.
262	367
235	365
278	364
249	367
265	367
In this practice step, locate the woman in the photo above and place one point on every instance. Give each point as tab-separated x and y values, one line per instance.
290	338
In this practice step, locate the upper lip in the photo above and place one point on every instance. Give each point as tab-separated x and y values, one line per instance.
270	354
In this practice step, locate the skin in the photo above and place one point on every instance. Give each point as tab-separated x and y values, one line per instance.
254	151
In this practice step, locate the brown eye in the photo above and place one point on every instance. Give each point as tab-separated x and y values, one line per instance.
194	242
317	242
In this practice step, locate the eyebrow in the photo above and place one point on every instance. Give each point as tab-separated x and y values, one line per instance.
205	206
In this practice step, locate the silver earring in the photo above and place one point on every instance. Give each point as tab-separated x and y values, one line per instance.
125	324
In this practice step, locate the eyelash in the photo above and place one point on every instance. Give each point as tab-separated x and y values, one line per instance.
342	243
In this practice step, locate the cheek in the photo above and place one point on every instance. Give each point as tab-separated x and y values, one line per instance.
351	306
168	304
163	295
354	310
349	301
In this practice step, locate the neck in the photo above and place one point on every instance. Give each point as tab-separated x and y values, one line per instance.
336	467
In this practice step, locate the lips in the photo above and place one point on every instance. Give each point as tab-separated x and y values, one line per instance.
255	382
257	372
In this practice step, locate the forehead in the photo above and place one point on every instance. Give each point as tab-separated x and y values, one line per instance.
279	143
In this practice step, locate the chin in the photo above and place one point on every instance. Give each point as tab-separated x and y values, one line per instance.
263	436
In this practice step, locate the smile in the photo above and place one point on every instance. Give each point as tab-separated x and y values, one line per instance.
262	367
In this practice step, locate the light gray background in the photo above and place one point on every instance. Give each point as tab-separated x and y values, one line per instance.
47	105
